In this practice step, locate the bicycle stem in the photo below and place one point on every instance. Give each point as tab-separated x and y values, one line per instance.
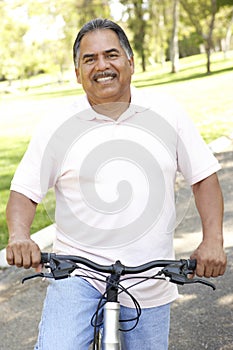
111	337
113	281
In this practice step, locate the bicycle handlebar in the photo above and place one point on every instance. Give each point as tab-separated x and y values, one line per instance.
61	266
190	264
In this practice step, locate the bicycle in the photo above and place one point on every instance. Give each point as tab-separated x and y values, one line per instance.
62	266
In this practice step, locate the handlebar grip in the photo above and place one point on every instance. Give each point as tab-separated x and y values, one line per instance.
45	257
192	264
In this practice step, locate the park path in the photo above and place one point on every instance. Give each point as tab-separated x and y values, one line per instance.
202	318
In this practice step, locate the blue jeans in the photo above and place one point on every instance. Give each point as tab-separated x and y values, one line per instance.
68	308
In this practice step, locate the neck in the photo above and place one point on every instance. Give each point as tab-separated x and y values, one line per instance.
112	110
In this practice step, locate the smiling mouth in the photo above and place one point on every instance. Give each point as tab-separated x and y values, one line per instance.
104	77
101	80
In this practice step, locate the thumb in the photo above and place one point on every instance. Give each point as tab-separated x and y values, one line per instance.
38	268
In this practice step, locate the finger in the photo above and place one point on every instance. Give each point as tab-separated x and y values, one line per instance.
38	268
35	257
223	266
219	270
212	270
9	256
24	254
200	270
222	270
216	272
26	263
208	271
18	259
14	252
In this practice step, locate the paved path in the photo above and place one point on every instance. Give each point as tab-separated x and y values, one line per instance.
201	318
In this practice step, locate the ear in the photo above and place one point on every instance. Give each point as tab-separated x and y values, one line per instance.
131	63
78	76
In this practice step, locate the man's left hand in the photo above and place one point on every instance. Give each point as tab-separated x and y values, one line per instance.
211	259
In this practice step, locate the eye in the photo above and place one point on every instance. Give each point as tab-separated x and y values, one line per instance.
89	60
112	56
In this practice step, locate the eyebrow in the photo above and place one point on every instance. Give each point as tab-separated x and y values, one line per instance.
87	55
112	50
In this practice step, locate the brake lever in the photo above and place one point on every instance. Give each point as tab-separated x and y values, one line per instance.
201	281
58	270
41	274
179	275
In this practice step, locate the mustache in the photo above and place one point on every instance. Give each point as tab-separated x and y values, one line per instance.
105	74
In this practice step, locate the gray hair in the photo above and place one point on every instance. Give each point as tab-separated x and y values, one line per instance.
100	23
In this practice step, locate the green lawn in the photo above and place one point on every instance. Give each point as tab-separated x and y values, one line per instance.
208	100
11	151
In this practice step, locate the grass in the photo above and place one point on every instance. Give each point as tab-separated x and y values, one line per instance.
11	151
207	98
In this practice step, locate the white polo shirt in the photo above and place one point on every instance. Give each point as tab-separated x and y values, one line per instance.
114	183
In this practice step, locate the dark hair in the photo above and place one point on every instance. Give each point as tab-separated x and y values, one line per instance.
99	23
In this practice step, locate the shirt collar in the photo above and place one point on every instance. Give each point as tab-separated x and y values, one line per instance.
89	113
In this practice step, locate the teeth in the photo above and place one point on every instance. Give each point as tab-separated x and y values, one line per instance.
104	79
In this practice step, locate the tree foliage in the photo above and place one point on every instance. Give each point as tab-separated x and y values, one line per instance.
202	15
137	11
37	35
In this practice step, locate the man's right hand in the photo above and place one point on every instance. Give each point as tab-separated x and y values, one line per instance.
21	249
23	253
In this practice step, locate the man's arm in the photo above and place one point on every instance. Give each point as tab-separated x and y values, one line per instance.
210	255
21	249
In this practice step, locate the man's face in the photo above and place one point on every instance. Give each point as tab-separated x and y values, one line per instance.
104	69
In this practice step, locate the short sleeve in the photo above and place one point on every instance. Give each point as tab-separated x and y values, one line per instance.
195	159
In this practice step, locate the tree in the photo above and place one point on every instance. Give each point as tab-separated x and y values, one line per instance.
12	45
228	35
37	36
160	19
137	11
174	46
224	27
202	15
90	9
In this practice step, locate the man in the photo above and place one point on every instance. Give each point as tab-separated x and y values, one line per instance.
113	130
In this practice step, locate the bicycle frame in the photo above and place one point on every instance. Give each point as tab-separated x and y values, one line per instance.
111	338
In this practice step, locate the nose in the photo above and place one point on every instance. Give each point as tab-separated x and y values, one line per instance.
101	63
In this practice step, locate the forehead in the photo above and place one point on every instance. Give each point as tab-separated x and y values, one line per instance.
99	40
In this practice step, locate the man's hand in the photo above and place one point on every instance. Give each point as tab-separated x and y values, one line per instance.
23	253
210	255
211	259
21	249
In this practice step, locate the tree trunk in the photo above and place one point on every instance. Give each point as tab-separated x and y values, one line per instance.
208	62
174	48
227	40
209	37
143	61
